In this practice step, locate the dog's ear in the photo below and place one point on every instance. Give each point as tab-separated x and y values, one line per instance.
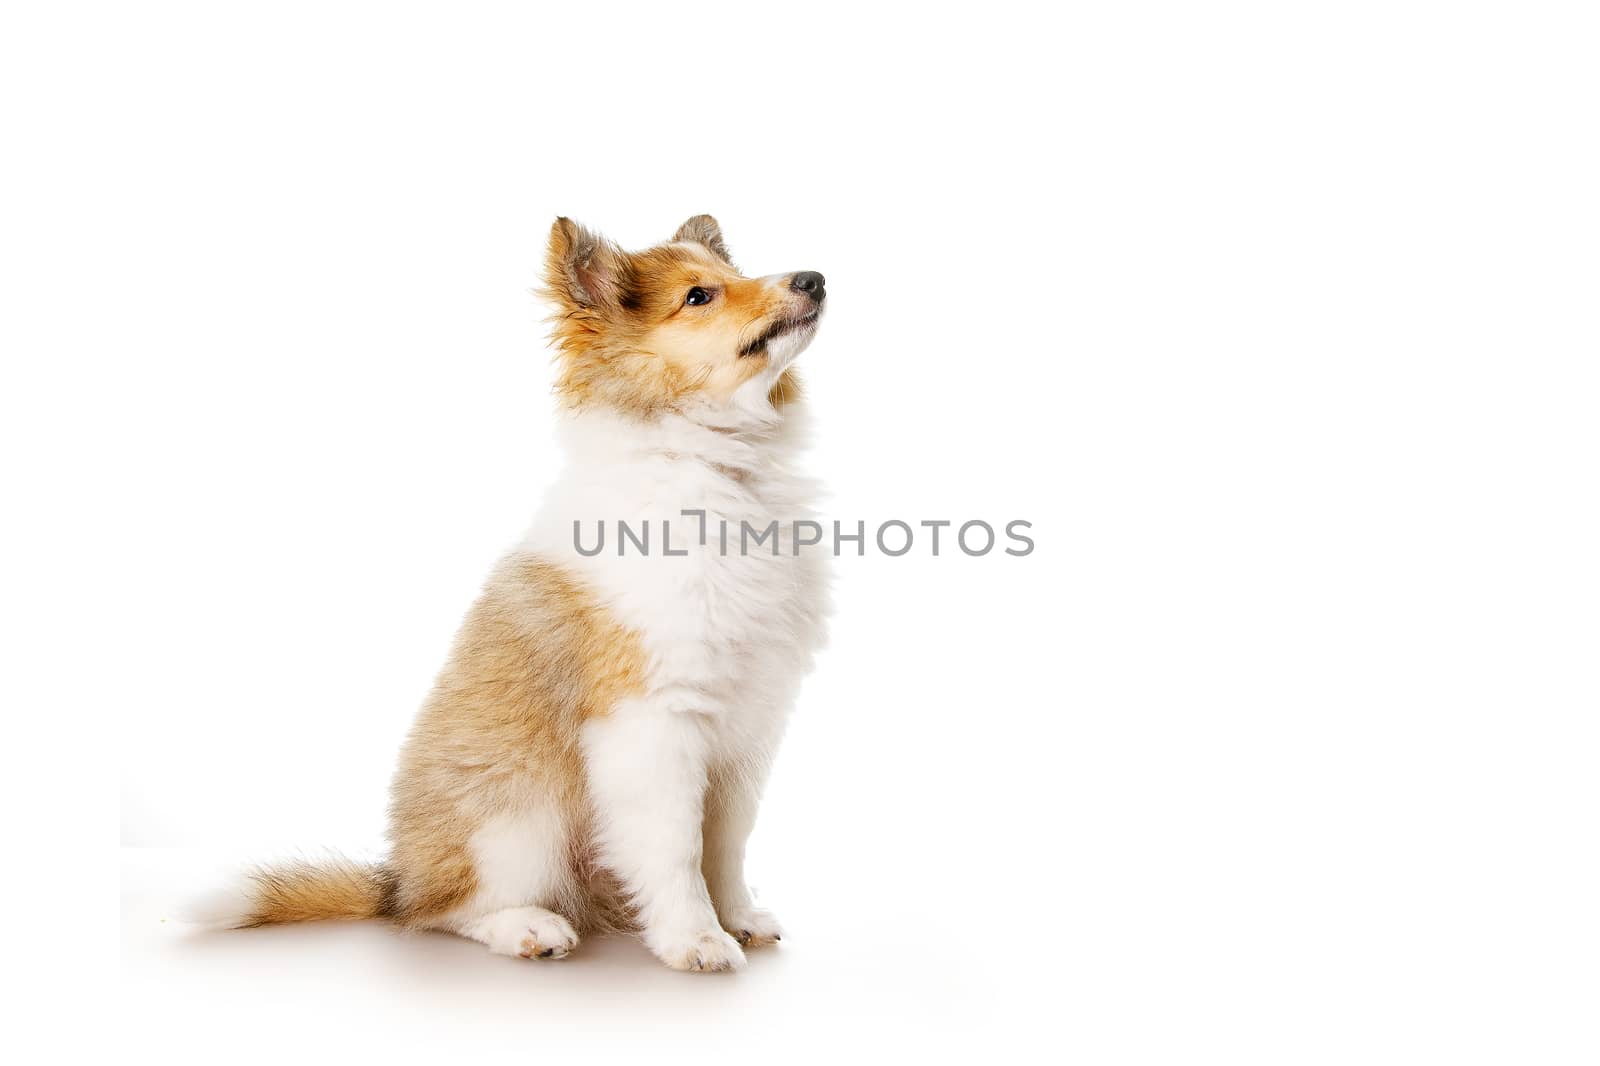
703	229
583	268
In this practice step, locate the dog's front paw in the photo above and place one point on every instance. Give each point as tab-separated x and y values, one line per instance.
753	928
711	951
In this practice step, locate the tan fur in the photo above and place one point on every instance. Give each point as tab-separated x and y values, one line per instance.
704	230
535	657
304	892
498	738
786	390
626	339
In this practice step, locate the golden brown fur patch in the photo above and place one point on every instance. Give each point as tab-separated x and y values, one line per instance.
624	335
304	892
535	658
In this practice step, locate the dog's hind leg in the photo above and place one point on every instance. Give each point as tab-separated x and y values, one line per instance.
523	868
529	932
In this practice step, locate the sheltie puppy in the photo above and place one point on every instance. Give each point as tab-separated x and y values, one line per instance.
592	754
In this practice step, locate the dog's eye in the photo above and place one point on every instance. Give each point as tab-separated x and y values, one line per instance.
697	296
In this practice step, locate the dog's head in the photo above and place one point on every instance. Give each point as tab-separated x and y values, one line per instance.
675	327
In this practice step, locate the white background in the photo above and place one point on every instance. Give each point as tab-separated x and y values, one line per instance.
1277	321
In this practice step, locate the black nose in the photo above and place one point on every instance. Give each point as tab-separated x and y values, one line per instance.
811	283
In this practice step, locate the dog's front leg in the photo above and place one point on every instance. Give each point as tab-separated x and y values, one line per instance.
646	765
731	804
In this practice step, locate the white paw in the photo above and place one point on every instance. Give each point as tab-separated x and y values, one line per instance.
712	951
529	932
753	928
548	936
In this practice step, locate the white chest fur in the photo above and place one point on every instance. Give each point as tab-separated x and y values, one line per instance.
729	624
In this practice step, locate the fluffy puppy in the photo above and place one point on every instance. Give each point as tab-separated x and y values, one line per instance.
593	752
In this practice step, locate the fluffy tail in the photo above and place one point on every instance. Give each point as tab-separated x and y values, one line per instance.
295	892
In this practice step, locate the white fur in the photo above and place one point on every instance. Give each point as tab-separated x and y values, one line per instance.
520	858
528	932
675	773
